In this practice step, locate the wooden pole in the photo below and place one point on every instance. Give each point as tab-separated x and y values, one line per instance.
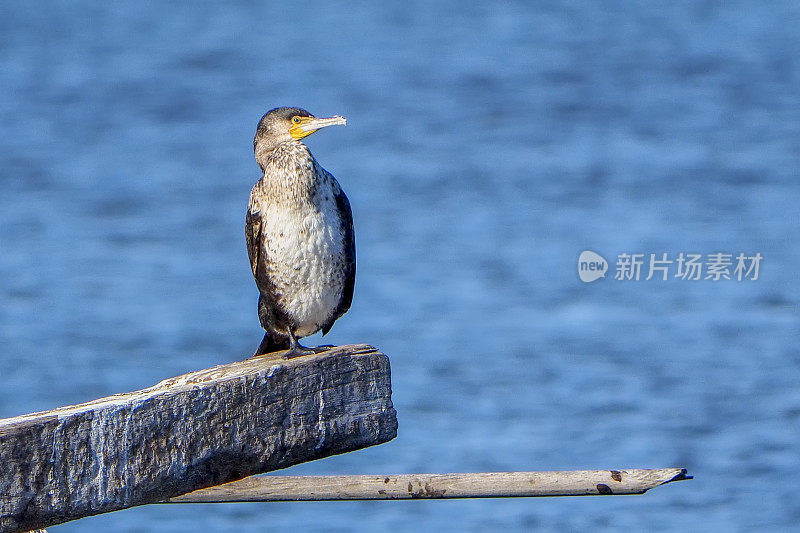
190	432
414	486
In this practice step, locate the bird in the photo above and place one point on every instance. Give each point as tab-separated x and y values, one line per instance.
299	233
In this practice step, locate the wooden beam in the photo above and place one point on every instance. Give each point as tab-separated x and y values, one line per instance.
189	432
413	486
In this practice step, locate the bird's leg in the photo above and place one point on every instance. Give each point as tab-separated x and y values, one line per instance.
296	349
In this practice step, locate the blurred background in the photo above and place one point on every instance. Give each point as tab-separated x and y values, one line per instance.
486	147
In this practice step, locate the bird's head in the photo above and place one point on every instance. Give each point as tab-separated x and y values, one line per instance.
284	124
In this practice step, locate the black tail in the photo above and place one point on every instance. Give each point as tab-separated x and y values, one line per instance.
269	345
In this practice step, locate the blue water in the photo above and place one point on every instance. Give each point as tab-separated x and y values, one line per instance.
486	148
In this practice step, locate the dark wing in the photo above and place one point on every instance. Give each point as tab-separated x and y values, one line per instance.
343	205
252	232
270	313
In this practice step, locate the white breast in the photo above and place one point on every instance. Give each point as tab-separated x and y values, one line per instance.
305	248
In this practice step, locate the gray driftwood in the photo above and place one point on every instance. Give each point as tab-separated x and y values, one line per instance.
412	486
189	432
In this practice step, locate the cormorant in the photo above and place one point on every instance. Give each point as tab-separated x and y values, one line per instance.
299	232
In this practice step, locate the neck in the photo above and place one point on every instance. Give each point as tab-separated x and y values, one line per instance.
266	153
290	175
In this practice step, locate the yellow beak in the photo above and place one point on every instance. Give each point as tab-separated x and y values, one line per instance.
309	125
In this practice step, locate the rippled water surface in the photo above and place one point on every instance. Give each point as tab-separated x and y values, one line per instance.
486	147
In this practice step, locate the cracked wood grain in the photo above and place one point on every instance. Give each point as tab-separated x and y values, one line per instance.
189	432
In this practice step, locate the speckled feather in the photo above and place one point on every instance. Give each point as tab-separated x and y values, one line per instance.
301	243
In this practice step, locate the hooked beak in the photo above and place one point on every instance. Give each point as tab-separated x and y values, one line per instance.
309	125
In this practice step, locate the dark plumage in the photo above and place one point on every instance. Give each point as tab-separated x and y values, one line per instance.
299	231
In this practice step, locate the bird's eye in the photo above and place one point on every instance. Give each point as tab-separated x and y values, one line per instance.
296	120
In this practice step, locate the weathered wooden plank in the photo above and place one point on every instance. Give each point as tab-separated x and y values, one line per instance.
189	432
412	486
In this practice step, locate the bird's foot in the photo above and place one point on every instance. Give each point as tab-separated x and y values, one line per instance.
299	350
296	349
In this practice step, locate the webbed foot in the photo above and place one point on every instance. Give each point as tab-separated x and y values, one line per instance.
297	350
